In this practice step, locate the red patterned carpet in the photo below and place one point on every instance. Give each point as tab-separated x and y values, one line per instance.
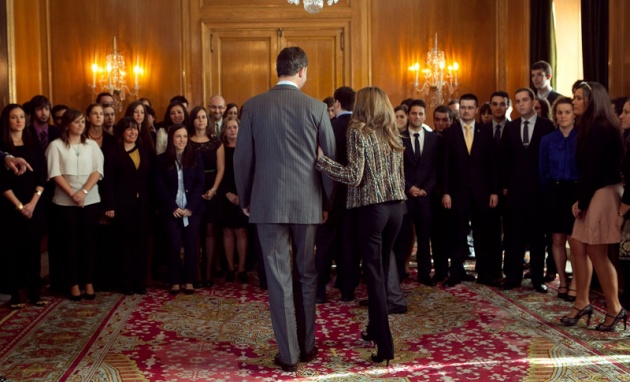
467	333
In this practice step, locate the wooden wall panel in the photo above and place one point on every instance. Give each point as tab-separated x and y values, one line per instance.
403	32
74	33
619	54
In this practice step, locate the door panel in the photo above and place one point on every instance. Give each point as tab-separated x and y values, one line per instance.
241	59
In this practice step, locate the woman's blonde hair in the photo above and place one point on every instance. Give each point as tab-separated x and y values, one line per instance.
373	113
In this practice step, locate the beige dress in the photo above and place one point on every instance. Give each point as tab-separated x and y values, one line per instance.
601	224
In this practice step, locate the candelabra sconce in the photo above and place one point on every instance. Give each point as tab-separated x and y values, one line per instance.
112	78
439	85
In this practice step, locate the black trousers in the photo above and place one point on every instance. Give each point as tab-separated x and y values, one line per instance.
334	241
80	242
418	218
379	225
486	229
440	237
130	226
189	237
522	227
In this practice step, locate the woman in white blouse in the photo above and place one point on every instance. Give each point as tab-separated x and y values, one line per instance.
75	163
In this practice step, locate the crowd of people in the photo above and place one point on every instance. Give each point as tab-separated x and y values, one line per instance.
352	178
113	194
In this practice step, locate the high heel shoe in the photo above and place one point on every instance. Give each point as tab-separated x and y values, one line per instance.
623	315
365	336
563	295
570	298
572	321
378	359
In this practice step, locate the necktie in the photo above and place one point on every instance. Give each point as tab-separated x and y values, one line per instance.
217	128
468	138
416	153
497	134
525	134
43	139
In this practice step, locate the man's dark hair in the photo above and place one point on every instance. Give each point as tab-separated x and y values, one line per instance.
501	93
39	101
454	101
418	102
290	61
542	65
101	95
528	91
469	96
444	109
57	108
180	99
345	95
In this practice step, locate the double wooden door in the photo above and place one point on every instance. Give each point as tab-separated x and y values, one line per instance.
239	60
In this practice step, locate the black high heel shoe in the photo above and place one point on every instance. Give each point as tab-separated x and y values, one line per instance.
569	297
378	359
563	295
572	321
623	315
365	336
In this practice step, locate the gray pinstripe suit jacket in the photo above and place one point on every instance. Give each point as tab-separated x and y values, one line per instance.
276	151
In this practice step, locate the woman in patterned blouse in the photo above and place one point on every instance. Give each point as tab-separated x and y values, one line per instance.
376	183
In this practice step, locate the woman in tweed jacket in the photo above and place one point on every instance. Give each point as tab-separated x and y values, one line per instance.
376	183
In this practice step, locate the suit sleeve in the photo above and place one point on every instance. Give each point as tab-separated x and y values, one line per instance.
445	162
432	179
244	159
543	162
353	173
506	157
109	182
194	202
167	202
326	140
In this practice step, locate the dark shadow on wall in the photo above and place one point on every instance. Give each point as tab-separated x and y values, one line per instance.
4	56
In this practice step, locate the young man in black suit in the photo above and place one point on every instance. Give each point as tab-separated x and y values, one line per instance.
541	78
420	164
520	148
471	188
334	238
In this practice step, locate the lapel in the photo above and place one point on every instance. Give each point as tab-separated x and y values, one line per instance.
407	143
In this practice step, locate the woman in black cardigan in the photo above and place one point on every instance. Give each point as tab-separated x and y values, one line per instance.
126	200
180	182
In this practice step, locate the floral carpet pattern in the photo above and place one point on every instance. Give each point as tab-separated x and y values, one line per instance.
467	333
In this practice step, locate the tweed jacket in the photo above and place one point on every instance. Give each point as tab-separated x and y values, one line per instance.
374	172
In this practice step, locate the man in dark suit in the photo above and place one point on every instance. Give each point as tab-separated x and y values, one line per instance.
541	78
281	191
440	235
520	148
334	237
420	164
471	188
40	126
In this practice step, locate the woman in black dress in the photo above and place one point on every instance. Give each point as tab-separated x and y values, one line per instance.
234	220
22	236
209	147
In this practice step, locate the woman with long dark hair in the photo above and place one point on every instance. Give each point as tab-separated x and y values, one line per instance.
233	220
128	166
180	181
22	235
176	114
75	163
209	147
140	113
598	218
376	191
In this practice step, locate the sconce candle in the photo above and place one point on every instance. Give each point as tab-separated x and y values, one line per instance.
94	70
455	67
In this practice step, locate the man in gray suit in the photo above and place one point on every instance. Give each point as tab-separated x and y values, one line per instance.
280	190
